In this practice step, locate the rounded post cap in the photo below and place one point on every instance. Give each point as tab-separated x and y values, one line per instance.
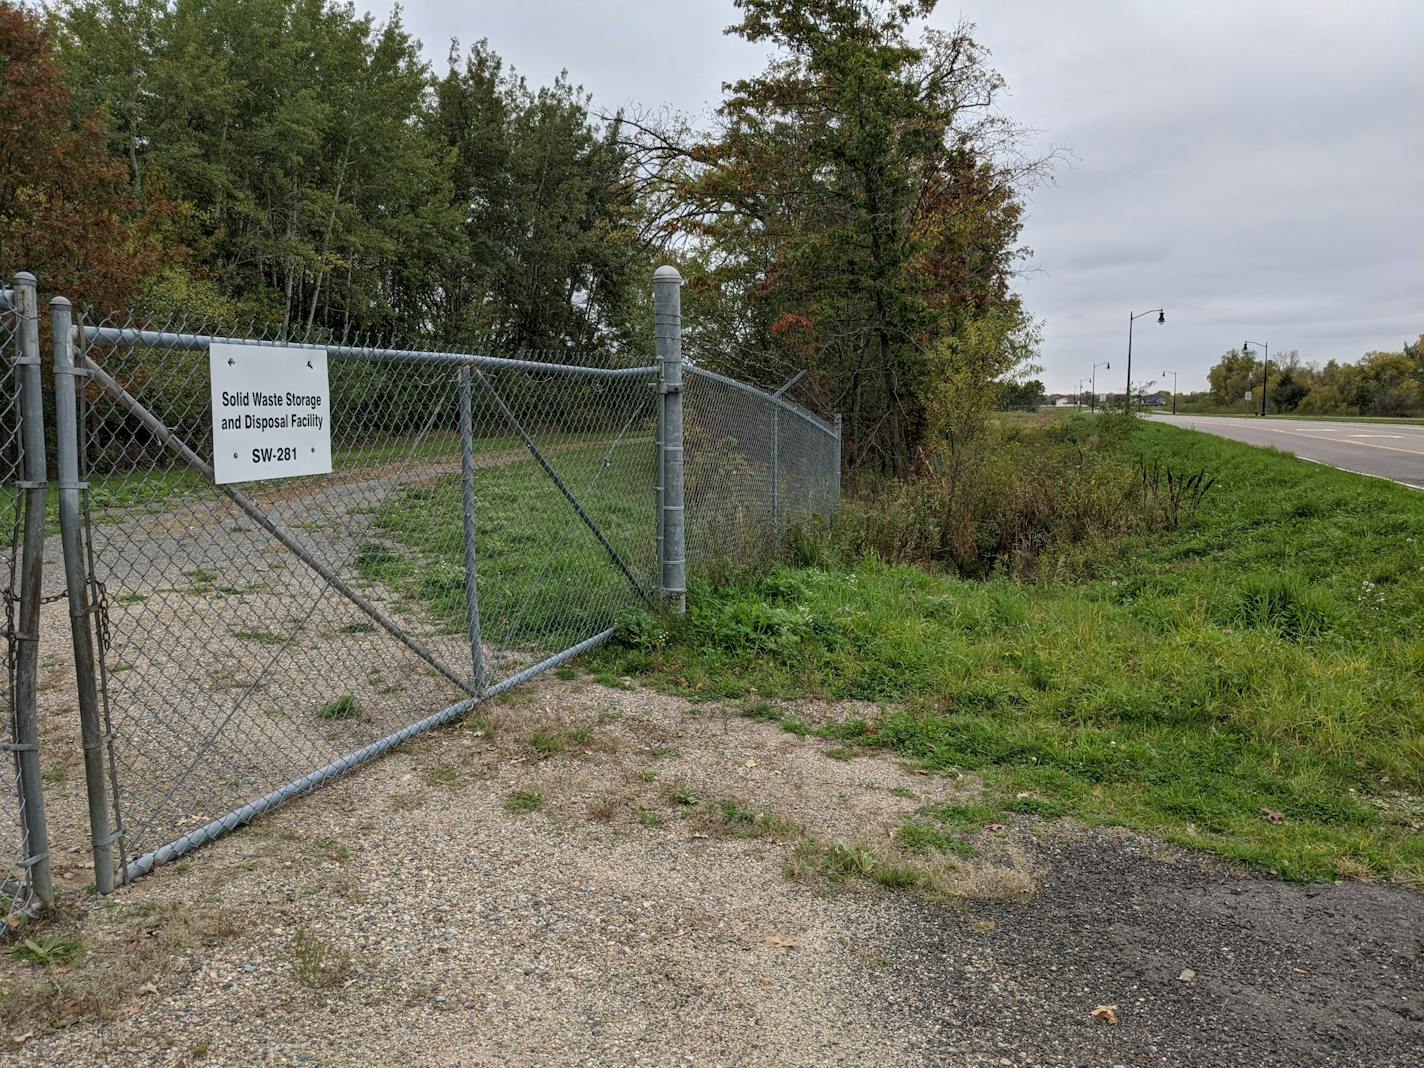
59	302
25	278
666	273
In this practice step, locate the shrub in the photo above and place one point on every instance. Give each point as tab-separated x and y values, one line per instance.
1020	495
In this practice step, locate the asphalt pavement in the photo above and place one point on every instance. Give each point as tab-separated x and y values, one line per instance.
1386	450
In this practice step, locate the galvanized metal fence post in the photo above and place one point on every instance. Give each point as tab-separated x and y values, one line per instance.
667	338
27	634
658	480
81	601
467	489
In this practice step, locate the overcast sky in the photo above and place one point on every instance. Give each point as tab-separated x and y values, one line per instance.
1256	167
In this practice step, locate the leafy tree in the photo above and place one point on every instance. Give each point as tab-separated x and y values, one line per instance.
1021	396
552	257
855	202
286	132
1237	371
1289	390
66	212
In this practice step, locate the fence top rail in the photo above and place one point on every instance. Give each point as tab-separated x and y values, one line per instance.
163	339
761	394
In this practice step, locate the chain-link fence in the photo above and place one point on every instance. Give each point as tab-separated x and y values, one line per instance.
756	464
240	642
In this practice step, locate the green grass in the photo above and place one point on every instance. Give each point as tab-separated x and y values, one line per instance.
47	950
1268	657
544	580
344	707
524	801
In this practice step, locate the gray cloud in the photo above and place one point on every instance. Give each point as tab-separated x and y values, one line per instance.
1257	168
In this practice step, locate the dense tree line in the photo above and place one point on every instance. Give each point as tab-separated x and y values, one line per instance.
1379	383
854	209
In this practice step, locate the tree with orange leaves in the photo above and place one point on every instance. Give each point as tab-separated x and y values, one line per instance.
66	212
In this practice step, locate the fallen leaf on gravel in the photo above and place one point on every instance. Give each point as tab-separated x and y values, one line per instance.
1106	1013
993	826
148	988
1188	976
751	763
765	980
780	941
1301	971
1272	815
921	771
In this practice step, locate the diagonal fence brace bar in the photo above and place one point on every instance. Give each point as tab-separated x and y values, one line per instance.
253	512
249	812
518	428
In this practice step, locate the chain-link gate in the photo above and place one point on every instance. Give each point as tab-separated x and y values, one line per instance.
484	519
24	845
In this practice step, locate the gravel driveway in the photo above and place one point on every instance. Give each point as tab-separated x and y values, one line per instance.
551	884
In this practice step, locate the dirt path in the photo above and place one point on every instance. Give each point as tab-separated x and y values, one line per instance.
600	876
234	668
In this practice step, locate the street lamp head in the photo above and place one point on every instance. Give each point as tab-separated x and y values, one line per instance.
1161	317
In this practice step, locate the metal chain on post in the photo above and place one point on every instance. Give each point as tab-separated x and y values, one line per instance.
99	598
667	339
27	633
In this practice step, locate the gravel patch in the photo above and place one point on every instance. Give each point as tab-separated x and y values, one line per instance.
413	913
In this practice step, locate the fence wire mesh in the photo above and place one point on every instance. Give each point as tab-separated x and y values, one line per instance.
247	642
756	464
484	519
15	853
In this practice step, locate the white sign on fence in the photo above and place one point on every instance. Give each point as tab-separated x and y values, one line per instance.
271	412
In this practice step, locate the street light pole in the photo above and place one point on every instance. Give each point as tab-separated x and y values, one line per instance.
1174	389
1093	403
1265	369
1080	391
1161	318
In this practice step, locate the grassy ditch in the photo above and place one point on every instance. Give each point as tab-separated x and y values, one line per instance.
1250	682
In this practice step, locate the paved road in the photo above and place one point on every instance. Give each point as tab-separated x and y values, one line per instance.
1386	450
